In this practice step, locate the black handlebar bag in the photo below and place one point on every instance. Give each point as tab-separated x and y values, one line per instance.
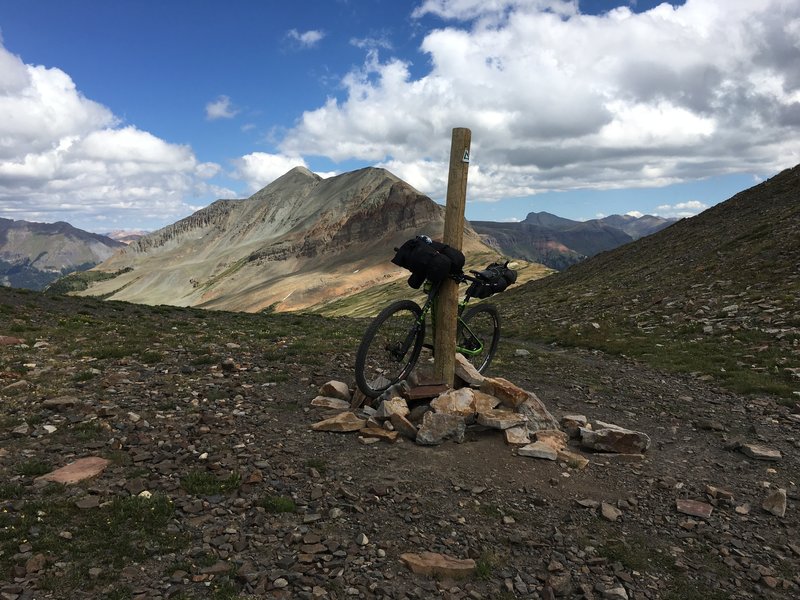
427	259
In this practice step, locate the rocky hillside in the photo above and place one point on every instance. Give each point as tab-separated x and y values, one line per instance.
717	294
32	255
558	243
204	478
300	242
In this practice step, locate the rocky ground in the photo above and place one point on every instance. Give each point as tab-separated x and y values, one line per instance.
216	486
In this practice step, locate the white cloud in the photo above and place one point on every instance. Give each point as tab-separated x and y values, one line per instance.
259	169
65	157
634	213
221	108
559	100
306	39
681	209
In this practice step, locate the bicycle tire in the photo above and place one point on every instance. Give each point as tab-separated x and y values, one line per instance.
483	321
381	360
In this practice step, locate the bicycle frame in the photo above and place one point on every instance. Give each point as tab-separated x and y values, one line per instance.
430	304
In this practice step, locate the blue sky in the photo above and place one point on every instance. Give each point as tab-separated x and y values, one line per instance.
133	114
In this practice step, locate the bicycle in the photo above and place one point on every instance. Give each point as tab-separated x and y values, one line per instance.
394	340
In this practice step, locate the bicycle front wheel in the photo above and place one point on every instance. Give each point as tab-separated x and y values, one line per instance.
390	347
478	335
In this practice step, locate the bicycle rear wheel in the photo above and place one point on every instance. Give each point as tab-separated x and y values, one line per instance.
390	347
478	335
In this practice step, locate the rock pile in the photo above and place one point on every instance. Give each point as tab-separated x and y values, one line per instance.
441	413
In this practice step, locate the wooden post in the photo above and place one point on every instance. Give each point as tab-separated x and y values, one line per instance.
444	344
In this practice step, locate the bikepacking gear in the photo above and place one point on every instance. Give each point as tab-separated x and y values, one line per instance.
428	259
493	279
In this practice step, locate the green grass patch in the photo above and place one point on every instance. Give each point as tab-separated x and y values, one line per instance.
118	533
33	468
203	483
317	463
277	504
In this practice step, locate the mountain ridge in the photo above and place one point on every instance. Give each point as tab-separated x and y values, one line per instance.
33	255
295	243
558	242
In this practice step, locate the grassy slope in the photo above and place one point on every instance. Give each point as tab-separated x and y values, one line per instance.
669	298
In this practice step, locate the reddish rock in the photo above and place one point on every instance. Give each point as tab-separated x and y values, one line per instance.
80	470
342	423
433	564
6	340
379	433
554	438
505	391
694	508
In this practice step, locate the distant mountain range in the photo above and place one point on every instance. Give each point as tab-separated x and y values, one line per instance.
559	243
298	243
32	255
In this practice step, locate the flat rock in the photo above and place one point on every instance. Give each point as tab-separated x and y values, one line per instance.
330	402
611	438
434	564
501	419
379	433
694	508
438	427
759	452
517	436
538	450
424	392
573	459
396	405
775	503
403	426
484	401
336	389
455	402
77	471
466	372
342	423
505	391
538	415
554	438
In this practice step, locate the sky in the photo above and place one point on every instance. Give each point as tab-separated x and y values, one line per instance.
133	114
